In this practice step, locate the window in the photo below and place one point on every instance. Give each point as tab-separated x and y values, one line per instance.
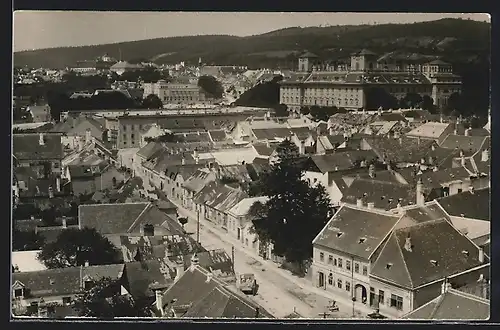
356	267
397	302
66	300
132	136
348	264
348	286
87	285
330	259
321	256
18	293
339	283
340	262
330	279
381	297
459	191
365	270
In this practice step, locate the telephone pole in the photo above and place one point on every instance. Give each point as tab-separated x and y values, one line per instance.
232	255
198	225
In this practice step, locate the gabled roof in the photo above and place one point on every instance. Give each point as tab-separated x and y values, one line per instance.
384	195
437	251
330	142
242	208
28	147
356	231
468	144
432	130
400	150
436	179
219	196
197	180
195	295
341	160
63	281
272	133
475	205
141	275
264	149
217	135
452	305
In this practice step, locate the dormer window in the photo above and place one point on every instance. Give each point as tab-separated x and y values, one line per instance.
388	265
87	284
19	293
362	240
465	253
339	234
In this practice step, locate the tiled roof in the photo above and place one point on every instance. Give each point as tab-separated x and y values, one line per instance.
341	160
219	196
271	133
436	252
217	260
384	195
63	281
27	146
387	176
302	133
431	130
356	231
468	144
50	234
435	179
237	172
197	180
263	149
330	142
194	295
33	185
140	276
110	218
399	150
149	150
475	205
428	212
217	135
452	305
242	208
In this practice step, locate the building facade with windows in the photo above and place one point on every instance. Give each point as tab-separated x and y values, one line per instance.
172	93
347	86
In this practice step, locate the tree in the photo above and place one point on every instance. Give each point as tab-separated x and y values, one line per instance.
75	247
411	100
454	103
378	97
428	104
281	110
295	212
26	240
152	101
211	86
103	300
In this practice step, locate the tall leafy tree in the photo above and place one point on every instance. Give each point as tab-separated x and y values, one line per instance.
74	247
26	240
152	101
295	212
211	85
103	300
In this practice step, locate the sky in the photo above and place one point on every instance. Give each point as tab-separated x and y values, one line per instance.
47	29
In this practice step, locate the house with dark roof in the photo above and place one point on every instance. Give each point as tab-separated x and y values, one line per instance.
42	152
345	248
416	259
215	200
469	211
199	294
194	183
114	220
452	305
39	113
59	286
436	131
326	144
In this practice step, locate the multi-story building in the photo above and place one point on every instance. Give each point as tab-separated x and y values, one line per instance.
175	93
347	86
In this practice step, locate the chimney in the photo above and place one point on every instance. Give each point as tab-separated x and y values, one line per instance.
379	111
81	144
462	158
257	312
87	264
401	140
389	167
88	136
418	140
485	155
302	148
141	229
433	147
41	139
209	276
435	169
179	270
371	171
420	192
445	286
467	132
359	202
481	255
194	260
159	300
471	189
51	192
64	222
183	161
58	184
408	246
371	205
331	131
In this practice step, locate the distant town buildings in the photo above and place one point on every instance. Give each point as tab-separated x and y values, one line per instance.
175	93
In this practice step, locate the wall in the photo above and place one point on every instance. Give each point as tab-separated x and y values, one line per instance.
385	308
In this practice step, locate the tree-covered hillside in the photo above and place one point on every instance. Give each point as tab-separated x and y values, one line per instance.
461	38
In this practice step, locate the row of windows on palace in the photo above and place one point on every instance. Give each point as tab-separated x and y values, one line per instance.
396	301
330	101
337	91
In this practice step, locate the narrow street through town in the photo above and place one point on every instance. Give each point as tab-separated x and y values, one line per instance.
277	293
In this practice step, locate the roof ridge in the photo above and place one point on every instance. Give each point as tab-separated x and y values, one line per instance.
136	221
404	261
439	301
469	295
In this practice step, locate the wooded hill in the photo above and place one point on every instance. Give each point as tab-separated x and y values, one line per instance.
456	40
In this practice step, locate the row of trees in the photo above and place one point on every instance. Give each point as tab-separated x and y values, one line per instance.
296	211
262	95
321	113
211	86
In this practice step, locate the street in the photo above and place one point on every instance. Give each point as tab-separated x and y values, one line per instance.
277	293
